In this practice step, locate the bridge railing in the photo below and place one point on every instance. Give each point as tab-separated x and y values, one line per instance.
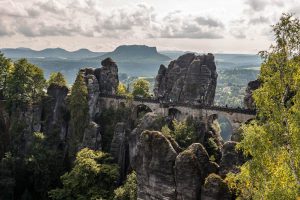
176	104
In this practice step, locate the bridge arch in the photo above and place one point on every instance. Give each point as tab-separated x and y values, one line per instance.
174	113
140	110
229	122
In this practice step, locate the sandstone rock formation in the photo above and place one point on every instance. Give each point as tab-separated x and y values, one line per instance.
107	76
150	121
155	173
119	148
189	79
92	137
231	159
55	115
248	99
215	188
191	168
102	80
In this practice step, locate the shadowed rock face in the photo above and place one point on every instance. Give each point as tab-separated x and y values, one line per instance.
119	149
189	79
155	161
248	99
191	168
231	159
215	188
107	76
92	137
55	114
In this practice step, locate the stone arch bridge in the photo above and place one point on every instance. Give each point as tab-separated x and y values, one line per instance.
180	111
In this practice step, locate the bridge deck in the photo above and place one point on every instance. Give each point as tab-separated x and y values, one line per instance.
172	104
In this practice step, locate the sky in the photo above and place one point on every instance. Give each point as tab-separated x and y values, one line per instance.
217	26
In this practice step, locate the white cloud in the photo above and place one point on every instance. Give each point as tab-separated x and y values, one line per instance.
110	23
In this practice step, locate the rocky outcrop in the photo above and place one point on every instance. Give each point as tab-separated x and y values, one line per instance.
107	76
231	159
119	148
248	99
55	115
215	188
149	121
212	138
191	168
189	79
155	160
92	137
93	90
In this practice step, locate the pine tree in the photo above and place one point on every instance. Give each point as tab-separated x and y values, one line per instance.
79	109
57	78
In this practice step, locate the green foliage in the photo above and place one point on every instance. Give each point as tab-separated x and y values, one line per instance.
141	88
57	78
31	174
5	68
129	190
184	133
92	177
25	83
272	141
79	109
121	90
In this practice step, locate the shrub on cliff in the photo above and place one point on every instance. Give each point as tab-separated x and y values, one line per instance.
141	88
128	191
184	133
92	177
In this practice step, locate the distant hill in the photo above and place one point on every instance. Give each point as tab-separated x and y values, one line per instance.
135	53
134	60
57	53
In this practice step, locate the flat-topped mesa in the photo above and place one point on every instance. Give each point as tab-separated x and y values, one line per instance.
189	79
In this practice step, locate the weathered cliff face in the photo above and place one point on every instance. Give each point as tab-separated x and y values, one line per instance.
231	159
119	148
164	173
55	114
150	121
107	76
248	99
215	188
191	168
189	79
103	80
155	162
92	137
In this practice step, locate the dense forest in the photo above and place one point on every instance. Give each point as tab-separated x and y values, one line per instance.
46	165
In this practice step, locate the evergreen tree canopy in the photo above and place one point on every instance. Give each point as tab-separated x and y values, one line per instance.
57	78
5	68
79	109
25	83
